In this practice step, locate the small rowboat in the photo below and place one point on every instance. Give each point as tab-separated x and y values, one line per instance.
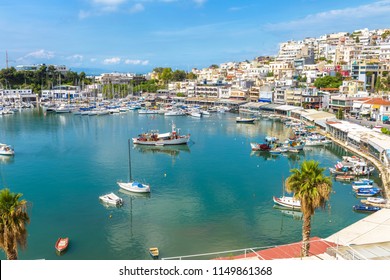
154	252
62	244
346	178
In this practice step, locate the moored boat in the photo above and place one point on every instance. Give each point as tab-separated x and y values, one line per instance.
131	185
365	208
134	186
345	178
161	139
259	146
368	191
6	150
245	120
377	200
111	199
154	252
288	202
62	244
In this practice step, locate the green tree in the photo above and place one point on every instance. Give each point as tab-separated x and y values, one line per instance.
191	76
178	75
328	82
340	114
14	218
313	189
166	75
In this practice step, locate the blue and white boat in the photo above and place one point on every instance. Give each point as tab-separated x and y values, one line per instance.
363	181
368	191
365	208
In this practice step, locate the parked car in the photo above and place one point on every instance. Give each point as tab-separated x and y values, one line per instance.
386	122
371	119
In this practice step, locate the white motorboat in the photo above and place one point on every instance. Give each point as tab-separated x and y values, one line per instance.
245	120
175	113
162	139
6	150
377	200
111	199
288	202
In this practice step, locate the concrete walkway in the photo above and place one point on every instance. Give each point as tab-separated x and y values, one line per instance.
384	172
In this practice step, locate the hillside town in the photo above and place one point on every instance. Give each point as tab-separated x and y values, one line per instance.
361	61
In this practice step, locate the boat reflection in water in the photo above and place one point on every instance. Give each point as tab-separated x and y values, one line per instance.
6	159
296	215
134	195
169	150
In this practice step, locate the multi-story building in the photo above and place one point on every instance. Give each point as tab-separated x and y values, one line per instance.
17	95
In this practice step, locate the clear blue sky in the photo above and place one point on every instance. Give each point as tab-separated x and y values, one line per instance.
139	35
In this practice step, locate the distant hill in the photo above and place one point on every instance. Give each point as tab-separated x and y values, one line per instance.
90	71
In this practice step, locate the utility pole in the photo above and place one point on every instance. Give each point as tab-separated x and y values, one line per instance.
6	59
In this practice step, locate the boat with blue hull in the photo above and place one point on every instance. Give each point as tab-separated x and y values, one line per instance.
365	208
368	191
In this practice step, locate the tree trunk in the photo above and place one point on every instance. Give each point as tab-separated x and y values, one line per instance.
12	255
306	229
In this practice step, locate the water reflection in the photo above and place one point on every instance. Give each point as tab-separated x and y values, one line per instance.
6	159
296	215
169	150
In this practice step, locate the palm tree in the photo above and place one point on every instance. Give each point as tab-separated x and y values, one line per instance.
13	221
312	188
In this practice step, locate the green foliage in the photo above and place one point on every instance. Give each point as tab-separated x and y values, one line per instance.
191	76
328	82
13	223
385	34
43	78
340	114
384	130
270	74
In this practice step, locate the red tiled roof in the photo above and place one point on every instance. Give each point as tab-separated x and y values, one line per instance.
377	101
317	246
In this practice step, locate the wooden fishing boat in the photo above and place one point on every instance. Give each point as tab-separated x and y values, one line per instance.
346	178
62	244
154	252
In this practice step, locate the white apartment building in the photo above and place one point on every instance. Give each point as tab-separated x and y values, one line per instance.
288	51
384	52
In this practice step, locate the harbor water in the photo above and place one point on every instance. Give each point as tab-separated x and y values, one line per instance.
213	195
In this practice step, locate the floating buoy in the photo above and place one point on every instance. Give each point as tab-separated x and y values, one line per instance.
110	216
165	174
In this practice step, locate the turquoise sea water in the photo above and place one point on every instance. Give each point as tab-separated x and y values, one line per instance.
215	195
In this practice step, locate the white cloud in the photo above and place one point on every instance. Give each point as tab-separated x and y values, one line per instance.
113	60
137	62
41	54
354	15
76	57
137	8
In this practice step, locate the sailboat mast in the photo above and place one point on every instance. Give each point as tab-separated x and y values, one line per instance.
130	178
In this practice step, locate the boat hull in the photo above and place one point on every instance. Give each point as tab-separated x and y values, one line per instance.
183	140
134	187
287	202
62	244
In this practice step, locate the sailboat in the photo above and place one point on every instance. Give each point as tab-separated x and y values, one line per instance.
132	185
